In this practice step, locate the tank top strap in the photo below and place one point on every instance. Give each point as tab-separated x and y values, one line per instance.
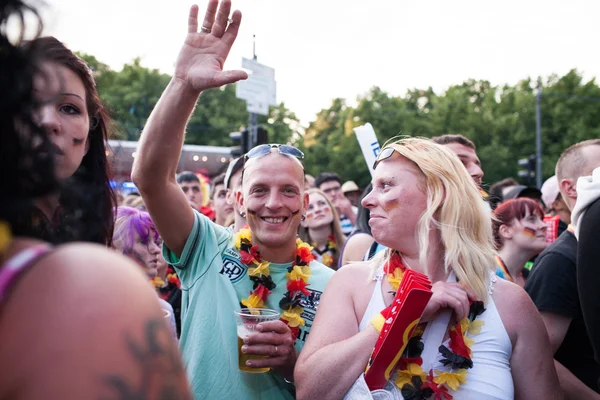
17	265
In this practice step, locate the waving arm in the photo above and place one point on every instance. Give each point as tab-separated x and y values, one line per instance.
199	67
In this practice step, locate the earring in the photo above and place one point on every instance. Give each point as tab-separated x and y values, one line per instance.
302	218
243	214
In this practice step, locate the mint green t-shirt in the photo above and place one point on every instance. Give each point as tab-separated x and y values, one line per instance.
213	281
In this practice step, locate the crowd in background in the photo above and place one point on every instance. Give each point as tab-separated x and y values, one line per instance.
427	208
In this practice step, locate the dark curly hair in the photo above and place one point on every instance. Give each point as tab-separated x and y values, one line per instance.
87	201
26	167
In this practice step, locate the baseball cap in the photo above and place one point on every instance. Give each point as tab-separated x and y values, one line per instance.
523	191
350	186
550	191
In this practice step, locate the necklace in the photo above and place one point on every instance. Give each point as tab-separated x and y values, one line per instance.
298	276
416	384
327	256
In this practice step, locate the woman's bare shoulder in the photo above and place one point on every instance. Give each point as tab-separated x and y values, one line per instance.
515	307
95	311
354	272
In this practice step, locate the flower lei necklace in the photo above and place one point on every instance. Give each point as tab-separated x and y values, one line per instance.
416	384
327	255
298	276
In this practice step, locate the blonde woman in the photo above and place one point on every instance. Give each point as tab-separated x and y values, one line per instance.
321	228
429	213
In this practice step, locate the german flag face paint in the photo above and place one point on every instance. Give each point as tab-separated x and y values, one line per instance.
529	232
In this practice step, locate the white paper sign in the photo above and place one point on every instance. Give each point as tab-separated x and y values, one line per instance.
368	144
260	87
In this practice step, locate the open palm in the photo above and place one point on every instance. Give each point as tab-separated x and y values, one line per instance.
201	59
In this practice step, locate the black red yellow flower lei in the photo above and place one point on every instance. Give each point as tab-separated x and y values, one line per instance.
172	284
298	276
327	255
416	384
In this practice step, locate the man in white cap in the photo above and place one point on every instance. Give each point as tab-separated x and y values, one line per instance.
559	215
352	192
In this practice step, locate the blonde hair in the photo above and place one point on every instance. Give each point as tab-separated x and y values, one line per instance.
456	208
336	228
134	201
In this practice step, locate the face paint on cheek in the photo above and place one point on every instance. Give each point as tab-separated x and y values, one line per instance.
251	212
328	210
391	204
529	232
294	213
309	216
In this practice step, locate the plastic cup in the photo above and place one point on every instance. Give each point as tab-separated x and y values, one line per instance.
247	319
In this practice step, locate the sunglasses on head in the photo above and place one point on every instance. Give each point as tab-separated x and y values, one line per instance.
384	155
264	149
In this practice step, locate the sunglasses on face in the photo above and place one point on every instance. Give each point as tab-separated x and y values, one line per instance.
264	149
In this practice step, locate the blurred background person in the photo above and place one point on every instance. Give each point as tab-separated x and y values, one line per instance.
309	181
218	201
64	300
321	229
558	215
233	185
196	191
134	200
352	192
496	192
331	184
520	191
520	234
466	152
136	237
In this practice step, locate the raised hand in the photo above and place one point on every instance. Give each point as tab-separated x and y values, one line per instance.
201	59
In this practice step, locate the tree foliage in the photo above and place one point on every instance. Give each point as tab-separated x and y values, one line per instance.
132	93
499	119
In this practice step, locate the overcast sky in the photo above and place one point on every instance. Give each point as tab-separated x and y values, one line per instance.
322	49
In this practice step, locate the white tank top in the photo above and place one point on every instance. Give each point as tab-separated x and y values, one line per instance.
490	378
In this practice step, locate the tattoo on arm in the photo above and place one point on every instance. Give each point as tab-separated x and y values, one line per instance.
161	373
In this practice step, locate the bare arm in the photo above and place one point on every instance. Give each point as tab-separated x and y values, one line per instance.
557	326
356	248
533	374
573	388
94	340
199	67
336	353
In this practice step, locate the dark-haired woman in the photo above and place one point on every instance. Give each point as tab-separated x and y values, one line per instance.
69	329
77	125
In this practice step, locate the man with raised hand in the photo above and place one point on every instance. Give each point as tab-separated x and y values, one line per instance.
275	271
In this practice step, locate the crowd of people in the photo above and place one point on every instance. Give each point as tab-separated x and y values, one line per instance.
109	297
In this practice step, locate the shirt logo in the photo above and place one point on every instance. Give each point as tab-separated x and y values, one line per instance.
233	269
311	302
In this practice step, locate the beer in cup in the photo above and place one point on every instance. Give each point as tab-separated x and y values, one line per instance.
247	319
